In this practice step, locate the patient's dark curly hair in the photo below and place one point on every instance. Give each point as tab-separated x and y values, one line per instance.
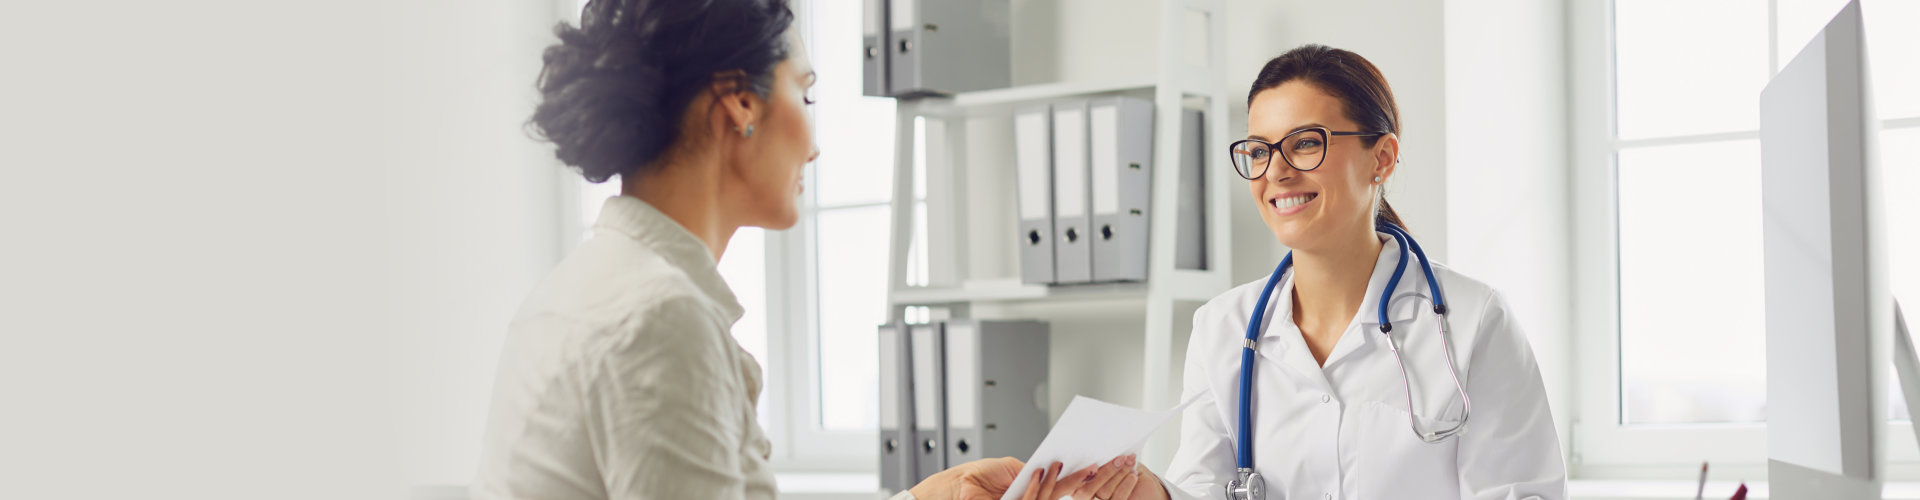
614	89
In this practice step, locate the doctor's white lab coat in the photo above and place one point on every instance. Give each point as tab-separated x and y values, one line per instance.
1341	431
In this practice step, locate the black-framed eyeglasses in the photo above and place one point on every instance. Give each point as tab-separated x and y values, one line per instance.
1303	150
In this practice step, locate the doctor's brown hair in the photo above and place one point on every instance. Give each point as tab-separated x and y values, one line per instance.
1361	89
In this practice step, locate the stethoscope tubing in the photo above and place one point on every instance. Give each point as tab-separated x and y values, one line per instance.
1243	453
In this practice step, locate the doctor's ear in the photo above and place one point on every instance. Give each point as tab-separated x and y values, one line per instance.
1386	157
1387	150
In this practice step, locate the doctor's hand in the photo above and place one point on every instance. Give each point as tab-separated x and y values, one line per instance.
984	479
1120	479
1049	482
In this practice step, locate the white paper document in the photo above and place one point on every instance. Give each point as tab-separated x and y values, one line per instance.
1091	432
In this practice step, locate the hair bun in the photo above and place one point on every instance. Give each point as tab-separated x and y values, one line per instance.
613	90
601	106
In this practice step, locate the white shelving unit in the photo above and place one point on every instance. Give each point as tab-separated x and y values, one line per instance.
971	232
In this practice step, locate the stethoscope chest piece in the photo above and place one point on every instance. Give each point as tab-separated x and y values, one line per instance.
1249	486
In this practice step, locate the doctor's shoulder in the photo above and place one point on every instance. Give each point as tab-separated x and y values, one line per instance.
1225	315
1477	310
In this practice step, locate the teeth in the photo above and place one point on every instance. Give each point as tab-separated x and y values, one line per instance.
1290	202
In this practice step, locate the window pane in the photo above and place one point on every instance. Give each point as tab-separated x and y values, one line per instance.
1891	56
855	133
1798	21
744	265
852	288
1692	348
1900	160
1689	67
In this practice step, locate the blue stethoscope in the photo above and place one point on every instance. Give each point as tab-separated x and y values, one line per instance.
1249	485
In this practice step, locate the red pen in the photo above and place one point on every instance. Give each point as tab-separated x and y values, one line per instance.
1701	493
1740	494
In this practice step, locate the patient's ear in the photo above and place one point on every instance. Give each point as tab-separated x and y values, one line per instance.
738	105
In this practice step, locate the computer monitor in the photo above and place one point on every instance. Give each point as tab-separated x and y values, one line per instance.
1828	295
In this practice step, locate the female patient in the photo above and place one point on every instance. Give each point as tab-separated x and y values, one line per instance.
619	378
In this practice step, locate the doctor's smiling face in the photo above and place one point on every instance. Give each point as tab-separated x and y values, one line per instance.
1315	209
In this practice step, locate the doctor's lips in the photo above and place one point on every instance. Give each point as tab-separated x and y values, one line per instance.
1289	203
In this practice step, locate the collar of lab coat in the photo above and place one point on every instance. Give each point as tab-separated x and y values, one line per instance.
1409	298
639	220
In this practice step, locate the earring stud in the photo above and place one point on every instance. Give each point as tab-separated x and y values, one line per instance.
1376	179
747	132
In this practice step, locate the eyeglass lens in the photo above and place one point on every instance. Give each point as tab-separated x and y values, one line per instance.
1302	150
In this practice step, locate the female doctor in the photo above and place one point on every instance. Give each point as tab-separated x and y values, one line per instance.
1350	397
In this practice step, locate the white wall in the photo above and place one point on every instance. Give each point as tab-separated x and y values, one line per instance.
475	211
191	279
1509	202
1078	40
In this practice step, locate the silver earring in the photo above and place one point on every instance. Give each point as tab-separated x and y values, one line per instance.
1376	179
747	132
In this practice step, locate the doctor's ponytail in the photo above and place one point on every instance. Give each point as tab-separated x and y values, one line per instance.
1360	87
1386	214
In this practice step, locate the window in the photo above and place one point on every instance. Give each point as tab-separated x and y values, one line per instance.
815	294
1668	196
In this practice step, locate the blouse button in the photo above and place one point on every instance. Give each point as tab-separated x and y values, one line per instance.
1326	398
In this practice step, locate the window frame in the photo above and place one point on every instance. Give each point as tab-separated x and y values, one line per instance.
1603	447
793	270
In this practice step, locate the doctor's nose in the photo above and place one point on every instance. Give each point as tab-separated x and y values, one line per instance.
1279	173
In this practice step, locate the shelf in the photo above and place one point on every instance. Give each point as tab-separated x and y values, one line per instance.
1012	290
1186	285
1025	94
960	148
